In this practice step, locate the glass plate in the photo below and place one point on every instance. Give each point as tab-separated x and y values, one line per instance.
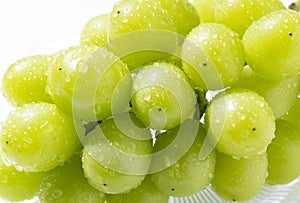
288	193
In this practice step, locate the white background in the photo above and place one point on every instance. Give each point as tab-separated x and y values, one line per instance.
29	27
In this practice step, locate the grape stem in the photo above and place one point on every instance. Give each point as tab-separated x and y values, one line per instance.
90	126
295	6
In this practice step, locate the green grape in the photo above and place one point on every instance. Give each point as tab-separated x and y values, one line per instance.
292	115
145	193
146	26
106	180
38	137
16	185
68	184
131	15
183	13
239	14
213	56
162	97
188	175
240	179
63	73
280	95
272	45
240	122
116	162
25	80
205	10
85	60
95	31
283	154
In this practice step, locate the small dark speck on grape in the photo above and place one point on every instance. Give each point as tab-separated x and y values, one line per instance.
172	189
293	6
59	68
6	142
130	104
290	34
104	184
245	63
253	129
159	109
204	64
234	200
118	12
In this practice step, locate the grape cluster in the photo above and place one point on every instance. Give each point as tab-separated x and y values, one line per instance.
160	98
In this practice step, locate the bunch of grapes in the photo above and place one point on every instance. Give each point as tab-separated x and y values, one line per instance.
160	98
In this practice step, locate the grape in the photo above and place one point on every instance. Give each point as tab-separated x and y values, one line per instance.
38	137
283	154
145	193
205	10
106	180
239	14
25	80
293	114
147	27
162	97
82	61
68	184
63	73
188	175
213	56
239	179
183	14
140	81
240	122
16	185
280	95
95	31
117	162
272	45
132	15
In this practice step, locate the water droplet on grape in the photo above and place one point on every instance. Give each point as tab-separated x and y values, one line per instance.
56	193
19	168
125	20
